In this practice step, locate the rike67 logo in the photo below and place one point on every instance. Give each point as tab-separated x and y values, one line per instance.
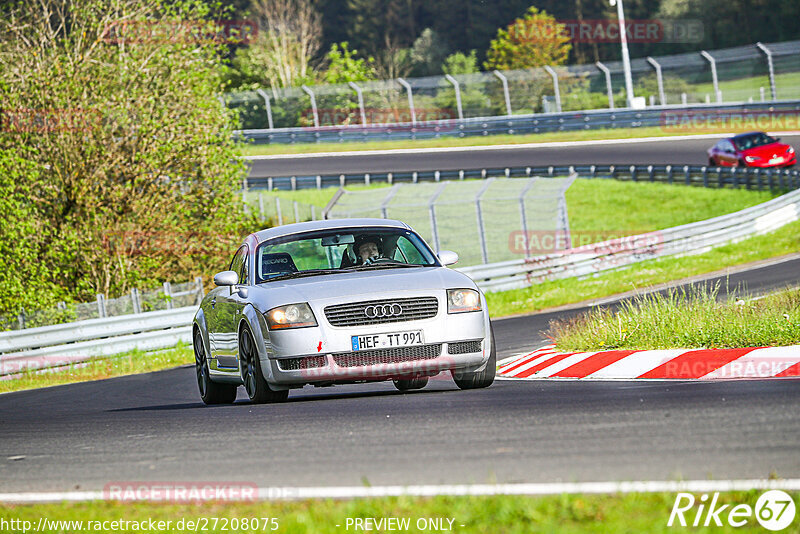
774	510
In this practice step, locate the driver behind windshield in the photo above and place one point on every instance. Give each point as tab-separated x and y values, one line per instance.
368	248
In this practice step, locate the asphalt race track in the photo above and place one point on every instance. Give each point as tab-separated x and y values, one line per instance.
672	151
153	427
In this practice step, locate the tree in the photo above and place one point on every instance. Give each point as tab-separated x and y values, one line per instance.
460	63
428	53
123	164
343	65
282	52
531	41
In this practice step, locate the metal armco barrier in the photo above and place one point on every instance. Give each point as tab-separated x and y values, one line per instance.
675	118
687	239
698	175
62	344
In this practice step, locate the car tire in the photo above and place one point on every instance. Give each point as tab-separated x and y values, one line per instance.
257	388
406	384
479	379
210	392
711	162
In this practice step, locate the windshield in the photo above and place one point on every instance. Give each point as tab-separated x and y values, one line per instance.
340	250
747	142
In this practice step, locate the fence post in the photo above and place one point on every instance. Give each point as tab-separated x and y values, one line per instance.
21	319
407	87
479	213
524	216
278	209
714	79
261	205
267	105
137	305
771	68
609	89
168	295
502	77
296	212
659	79
457	88
432	211
101	305
198	280
313	99
360	95
556	92
313	213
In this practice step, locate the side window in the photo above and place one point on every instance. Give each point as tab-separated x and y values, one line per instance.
239	261
727	146
405	249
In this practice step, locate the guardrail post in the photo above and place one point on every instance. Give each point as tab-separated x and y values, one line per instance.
502	77
313	99
479	213
137	305
607	73
633	173
198	280
669	174
771	68
267	105
101	305
457	88
704	170
556	92
650	173
687	175
661	97
714	79
360	96
168	295
407	87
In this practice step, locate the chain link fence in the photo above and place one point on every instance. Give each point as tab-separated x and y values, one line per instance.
169	296
759	72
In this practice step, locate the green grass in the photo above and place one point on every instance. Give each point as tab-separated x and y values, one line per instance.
129	363
692	318
787	85
641	275
628	513
500	139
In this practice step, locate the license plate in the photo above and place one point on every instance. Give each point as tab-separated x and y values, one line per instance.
387	341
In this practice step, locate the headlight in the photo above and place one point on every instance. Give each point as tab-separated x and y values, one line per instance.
290	316
751	159
463	300
790	150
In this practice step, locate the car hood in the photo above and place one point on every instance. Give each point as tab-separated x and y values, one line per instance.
766	151
367	283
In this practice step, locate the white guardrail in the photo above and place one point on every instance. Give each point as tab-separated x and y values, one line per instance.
693	238
58	345
62	344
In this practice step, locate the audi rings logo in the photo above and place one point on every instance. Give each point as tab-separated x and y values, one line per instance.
383	310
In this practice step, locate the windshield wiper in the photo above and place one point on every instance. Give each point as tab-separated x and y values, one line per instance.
384	265
300	274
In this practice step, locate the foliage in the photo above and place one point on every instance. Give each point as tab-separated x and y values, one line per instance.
120	155
343	65
460	63
428	53
531	41
647	86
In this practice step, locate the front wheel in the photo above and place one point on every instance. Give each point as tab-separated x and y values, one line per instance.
210	391
257	388
479	379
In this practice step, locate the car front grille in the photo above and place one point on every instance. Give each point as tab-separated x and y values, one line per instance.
306	362
464	347
354	314
379	356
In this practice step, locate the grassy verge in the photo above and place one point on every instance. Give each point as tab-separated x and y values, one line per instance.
648	273
634	512
490	140
681	318
128	363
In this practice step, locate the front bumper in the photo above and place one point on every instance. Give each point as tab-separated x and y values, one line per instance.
325	353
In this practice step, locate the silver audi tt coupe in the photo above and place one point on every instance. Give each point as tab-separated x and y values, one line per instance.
339	302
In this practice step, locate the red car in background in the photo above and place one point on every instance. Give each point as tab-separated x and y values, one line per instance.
753	149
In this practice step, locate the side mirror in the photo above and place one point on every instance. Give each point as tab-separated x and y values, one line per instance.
226	278
448	257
